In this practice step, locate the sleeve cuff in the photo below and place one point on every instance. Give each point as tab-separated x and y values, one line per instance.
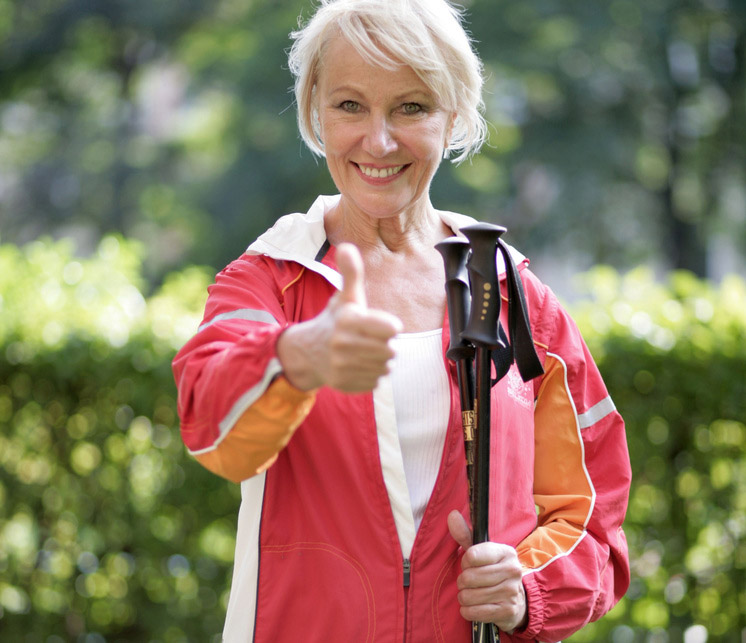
536	610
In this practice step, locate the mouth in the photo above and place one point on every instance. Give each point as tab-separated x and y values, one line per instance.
380	172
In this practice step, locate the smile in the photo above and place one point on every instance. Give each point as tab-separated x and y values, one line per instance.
380	173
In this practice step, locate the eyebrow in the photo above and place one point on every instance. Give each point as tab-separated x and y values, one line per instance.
407	96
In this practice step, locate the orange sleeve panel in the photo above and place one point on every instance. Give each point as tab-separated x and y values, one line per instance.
562	489
264	429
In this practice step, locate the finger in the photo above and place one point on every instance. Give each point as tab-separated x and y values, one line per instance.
489	553
350	266
459	529
498	576
361	376
507	609
479	596
361	354
376	324
505	617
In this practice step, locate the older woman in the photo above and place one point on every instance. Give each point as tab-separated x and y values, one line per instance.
318	380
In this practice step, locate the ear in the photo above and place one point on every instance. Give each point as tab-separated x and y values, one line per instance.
318	130
449	130
315	121
313	109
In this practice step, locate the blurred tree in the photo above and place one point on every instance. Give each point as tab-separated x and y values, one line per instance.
618	128
76	154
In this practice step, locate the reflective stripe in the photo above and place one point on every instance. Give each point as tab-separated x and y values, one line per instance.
244	402
248	314
596	412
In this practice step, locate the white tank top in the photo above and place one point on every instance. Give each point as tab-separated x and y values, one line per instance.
422	405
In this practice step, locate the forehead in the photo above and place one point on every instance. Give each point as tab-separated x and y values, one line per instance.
342	65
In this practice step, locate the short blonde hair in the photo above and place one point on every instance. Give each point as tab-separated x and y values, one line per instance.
426	35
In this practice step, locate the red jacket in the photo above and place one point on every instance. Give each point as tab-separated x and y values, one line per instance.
326	547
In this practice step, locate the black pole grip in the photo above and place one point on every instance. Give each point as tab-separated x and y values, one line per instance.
455	251
482	328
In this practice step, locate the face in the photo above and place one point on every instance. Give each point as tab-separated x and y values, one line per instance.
383	131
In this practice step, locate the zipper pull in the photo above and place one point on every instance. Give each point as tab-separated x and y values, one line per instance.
407	569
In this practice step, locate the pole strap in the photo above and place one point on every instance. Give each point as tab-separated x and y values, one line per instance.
521	344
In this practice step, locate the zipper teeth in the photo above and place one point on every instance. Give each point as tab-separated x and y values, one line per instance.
407	569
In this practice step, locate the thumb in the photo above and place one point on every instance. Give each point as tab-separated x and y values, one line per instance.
459	529
350	266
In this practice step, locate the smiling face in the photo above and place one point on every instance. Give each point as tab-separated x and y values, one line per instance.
383	130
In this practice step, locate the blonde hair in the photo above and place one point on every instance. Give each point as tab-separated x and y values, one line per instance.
426	35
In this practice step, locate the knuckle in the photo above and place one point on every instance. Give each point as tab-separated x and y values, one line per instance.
337	361
339	345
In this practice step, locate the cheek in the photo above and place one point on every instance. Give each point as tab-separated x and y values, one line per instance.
428	148
338	141
431	139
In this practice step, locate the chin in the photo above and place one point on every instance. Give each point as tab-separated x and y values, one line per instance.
378	209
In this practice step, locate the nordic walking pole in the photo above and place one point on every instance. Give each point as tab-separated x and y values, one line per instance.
482	331
455	251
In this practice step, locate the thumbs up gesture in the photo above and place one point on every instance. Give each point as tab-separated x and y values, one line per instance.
346	345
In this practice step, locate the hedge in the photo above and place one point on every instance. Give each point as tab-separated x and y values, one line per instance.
674	359
109	531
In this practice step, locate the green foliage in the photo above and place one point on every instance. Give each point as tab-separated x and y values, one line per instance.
618	126
674	357
107	526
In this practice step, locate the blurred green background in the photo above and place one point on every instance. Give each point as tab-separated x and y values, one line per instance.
144	145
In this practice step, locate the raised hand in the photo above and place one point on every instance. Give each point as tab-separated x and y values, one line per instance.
346	345
490	586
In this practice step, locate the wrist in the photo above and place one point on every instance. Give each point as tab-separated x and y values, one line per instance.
293	354
523	621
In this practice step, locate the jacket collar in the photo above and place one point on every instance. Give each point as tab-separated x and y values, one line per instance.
299	237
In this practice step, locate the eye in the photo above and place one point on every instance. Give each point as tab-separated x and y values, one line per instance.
412	108
350	106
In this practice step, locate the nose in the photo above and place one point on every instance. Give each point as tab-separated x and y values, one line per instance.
380	139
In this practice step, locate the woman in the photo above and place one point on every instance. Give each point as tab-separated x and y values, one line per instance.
318	380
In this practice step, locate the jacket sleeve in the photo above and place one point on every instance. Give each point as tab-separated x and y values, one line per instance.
575	561
236	409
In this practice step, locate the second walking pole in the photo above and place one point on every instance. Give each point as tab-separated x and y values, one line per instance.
482	332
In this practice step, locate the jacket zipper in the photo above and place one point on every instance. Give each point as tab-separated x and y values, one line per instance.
407	568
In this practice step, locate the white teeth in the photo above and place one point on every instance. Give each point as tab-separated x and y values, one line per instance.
376	173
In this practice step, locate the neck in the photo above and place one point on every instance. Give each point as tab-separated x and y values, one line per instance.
396	233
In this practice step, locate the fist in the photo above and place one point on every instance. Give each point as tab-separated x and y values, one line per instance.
490	583
347	345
